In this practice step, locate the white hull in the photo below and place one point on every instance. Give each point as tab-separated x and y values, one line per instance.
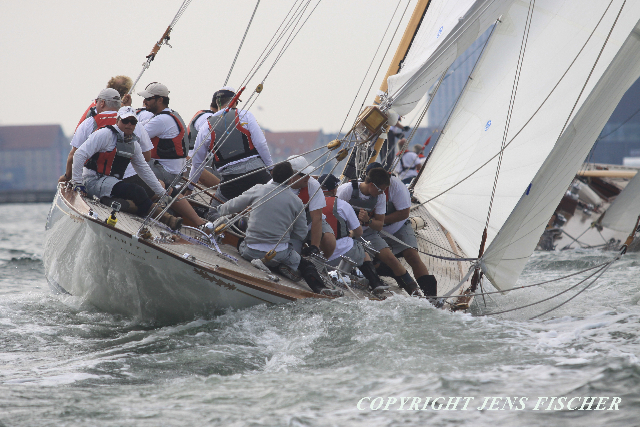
119	274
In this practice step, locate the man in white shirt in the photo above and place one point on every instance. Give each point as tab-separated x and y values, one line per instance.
99	164
369	199
168	134
404	243
408	164
346	227
306	187
106	106
238	146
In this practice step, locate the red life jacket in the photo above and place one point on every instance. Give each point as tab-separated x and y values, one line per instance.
171	148
333	218
89	112
105	119
304	196
192	132
114	162
229	142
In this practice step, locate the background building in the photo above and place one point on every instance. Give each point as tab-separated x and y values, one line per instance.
32	158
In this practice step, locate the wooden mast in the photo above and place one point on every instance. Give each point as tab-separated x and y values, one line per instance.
394	67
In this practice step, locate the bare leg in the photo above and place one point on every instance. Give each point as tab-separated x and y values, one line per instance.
413	259
388	258
208	179
184	209
328	244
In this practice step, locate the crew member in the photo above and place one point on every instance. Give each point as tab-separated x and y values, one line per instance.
106	107
106	155
273	211
408	164
369	200
167	132
346	227
404	243
120	83
208	177
320	237
238	146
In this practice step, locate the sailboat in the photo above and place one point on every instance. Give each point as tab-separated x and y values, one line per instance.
548	78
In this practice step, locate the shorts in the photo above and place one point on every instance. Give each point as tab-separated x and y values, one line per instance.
162	174
356	253
405	234
373	237
288	257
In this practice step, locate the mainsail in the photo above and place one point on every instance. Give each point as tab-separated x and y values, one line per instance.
447	30
565	41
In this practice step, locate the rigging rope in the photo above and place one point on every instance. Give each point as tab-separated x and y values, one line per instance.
163	40
535	113
241	43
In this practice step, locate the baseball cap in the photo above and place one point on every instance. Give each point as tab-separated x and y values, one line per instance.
154	89
225	92
299	165
373	165
109	94
125	112
329	181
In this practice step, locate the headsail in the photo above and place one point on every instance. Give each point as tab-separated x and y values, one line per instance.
625	208
508	253
563	43
447	30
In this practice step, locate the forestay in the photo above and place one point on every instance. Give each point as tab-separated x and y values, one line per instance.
624	210
508	253
561	49
447	30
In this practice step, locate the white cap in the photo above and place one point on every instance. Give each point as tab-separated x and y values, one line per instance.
154	89
125	112
109	94
300	165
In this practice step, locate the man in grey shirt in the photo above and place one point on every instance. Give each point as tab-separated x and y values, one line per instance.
273	209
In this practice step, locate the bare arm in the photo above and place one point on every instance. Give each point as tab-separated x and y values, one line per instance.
356	233
316	227
396	216
69	169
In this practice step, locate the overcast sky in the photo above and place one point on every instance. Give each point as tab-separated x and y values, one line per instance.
57	55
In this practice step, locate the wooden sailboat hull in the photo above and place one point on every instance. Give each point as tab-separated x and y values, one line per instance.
118	273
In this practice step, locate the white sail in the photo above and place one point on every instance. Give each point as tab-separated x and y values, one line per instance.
508	253
447	30
561	49
624	211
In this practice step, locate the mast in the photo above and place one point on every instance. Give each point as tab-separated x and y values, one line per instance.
394	67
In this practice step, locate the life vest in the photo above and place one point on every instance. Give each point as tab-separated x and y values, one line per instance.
104	119
229	140
391	208
90	112
140	110
304	196
333	218
171	148
114	162
192	131
357	203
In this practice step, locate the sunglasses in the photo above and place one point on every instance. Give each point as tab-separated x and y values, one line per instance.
129	121
378	188
151	99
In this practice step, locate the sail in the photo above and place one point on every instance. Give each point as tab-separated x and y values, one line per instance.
623	212
508	253
564	42
447	30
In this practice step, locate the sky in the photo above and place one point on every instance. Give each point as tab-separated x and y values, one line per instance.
57	56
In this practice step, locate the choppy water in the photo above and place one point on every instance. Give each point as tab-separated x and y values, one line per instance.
64	363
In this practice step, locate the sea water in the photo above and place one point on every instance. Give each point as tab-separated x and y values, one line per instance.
345	362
